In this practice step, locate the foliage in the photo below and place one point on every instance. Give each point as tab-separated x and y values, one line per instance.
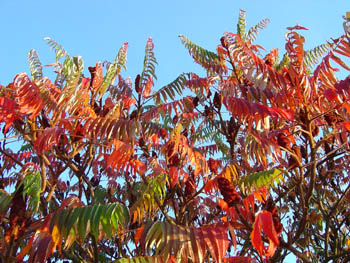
246	164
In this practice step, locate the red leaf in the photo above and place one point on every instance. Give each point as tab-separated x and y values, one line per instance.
138	234
28	96
346	125
238	260
48	138
148	86
243	109
339	61
98	76
264	221
297	27
256	237
249	202
331	95
71	201
210	186
215	239
8	112
173	174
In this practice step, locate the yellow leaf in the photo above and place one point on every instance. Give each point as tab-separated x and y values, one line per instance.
70	239
56	238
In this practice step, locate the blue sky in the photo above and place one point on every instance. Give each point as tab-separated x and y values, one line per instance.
96	29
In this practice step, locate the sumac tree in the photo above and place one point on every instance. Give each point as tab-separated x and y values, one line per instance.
246	164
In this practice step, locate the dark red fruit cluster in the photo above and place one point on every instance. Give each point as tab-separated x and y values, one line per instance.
163	133
213	165
190	187
217	101
292	161
138	84
231	197
92	71
271	207
283	141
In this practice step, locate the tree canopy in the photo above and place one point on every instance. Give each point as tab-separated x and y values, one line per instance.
248	163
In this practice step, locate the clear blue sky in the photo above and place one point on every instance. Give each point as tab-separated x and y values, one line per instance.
96	29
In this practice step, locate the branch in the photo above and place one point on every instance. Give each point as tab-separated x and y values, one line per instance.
11	157
300	255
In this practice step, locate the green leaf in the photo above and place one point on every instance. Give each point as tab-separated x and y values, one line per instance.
254	30
146	259
312	56
32	187
5	200
207	59
73	217
94	223
88	219
168	91
260	179
83	221
35	64
114	69
241	25
59	50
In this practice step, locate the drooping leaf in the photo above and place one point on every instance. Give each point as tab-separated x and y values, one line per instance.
9	112
254	30
32	187
188	242
28	96
312	56
246	110
264	221
50	136
168	91
106	129
72	223
59	50
207	59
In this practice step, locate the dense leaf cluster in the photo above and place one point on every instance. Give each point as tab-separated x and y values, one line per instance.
246	164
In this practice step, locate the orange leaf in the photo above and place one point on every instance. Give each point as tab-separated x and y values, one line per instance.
347	107
134	217
173	174
26	249
223	205
148	86
210	185
339	61
260	195
138	234
249	202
